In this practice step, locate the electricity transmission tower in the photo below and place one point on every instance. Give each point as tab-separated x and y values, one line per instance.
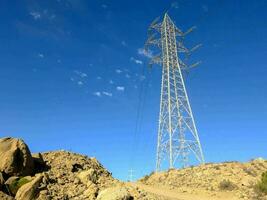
178	138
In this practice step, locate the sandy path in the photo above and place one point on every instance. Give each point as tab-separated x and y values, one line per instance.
172	195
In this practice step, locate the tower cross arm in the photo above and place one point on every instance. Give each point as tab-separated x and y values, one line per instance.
189	31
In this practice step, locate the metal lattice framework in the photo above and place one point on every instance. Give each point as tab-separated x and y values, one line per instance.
177	133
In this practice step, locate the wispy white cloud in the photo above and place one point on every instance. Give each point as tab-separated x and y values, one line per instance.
123	43
142	77
111	82
127	76
51	26
80	83
41	55
139	62
107	93
215	45
146	53
81	74
136	61
175	5
98	78
98	94
104	6
52	30
79	78
53	16
205	8
35	15
120	88
118	71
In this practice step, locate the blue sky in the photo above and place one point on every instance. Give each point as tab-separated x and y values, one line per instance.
72	74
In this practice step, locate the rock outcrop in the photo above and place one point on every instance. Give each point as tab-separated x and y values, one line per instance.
29	190
15	157
75	176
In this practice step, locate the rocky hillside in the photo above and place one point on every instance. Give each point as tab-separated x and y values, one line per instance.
63	175
58	175
233	179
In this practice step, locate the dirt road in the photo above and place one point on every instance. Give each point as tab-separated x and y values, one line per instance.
166	194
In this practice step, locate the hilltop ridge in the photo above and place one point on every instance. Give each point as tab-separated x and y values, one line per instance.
228	180
70	176
57	175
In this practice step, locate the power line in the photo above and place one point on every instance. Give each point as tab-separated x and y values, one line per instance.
139	116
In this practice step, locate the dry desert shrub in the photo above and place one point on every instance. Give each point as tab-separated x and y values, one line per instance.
15	185
146	177
261	187
250	171
227	185
217	167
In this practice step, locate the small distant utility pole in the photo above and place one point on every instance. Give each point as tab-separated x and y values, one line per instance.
131	176
177	132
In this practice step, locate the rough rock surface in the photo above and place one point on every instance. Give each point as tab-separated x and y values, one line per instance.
11	179
2	180
77	177
115	193
4	196
72	174
15	157
29	191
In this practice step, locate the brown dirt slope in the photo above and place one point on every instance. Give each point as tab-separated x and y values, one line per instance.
230	180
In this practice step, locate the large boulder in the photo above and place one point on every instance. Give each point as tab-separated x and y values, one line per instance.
115	193
29	191
15	157
88	176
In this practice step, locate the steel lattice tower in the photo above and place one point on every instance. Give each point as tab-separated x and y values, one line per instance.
177	133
